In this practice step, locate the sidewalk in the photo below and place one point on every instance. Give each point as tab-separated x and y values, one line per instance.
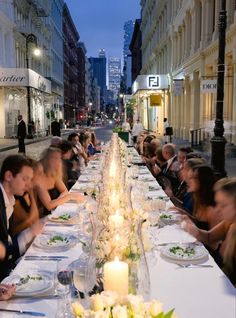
10	143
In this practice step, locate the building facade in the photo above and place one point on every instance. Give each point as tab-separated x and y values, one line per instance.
180	38
128	32
135	49
99	68
71	67
114	76
24	87
57	76
82	75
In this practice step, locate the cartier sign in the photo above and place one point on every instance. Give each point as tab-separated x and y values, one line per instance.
24	77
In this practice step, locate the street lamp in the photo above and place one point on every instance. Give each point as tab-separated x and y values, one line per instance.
30	39
218	141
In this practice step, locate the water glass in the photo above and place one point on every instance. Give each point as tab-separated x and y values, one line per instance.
64	278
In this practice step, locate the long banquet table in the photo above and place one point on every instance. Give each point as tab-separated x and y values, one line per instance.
193	292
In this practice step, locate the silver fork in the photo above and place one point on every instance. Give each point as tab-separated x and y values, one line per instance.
194	265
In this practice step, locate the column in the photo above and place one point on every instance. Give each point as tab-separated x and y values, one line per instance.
217	10
193	31
234	108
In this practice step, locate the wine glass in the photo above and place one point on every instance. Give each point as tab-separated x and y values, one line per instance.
64	277
84	275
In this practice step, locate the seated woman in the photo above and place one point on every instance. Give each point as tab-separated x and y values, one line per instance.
181	196
223	235
93	146
26	211
200	183
70	172
50	188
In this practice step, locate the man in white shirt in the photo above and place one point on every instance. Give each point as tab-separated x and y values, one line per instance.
137	129
15	179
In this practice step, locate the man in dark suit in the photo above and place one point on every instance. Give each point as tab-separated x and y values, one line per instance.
21	134
15	178
56	128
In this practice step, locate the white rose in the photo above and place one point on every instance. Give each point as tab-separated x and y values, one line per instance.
99	314
109	298
97	302
77	309
155	308
135	303
119	312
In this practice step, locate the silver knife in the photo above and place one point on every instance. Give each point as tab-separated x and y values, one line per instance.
44	257
165	244
24	312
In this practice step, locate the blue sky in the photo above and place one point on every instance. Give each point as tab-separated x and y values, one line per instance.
100	23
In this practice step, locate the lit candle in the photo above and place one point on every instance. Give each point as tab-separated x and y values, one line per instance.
116	220
116	275
114	199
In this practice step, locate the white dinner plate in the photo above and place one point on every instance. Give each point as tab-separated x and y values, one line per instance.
63	217
54	241
30	283
169	217
184	252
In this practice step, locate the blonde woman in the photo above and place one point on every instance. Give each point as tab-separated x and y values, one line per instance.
50	188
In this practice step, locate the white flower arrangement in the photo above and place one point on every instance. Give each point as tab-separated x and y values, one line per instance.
110	305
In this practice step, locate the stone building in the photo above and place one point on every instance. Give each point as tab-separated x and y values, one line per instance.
180	39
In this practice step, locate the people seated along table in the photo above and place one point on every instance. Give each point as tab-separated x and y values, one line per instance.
181	196
50	188
16	176
222	236
26	211
171	168
70	172
93	146
78	152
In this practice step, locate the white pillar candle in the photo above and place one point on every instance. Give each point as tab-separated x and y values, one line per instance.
116	220
114	200
116	275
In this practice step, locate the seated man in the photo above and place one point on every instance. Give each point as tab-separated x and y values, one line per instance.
169	171
15	177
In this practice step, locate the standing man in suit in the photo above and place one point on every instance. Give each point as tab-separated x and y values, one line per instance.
21	134
15	178
56	128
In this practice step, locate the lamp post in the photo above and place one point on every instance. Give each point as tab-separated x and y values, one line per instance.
218	141
30	38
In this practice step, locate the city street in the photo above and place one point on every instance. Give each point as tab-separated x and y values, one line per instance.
35	149
104	134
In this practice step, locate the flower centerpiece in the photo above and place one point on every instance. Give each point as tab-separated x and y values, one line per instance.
111	305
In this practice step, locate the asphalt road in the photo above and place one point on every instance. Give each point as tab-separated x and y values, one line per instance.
34	150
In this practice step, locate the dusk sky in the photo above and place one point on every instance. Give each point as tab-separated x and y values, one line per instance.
100	23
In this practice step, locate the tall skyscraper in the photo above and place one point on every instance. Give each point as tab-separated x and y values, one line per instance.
98	65
128	32
114	74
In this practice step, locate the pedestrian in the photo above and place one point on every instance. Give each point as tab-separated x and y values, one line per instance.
168	131
21	134
137	129
56	128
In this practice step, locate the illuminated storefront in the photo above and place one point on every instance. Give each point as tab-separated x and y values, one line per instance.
13	100
152	101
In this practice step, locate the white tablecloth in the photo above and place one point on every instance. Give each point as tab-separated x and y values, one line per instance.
193	292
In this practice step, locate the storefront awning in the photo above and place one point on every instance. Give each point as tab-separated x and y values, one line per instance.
21	77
